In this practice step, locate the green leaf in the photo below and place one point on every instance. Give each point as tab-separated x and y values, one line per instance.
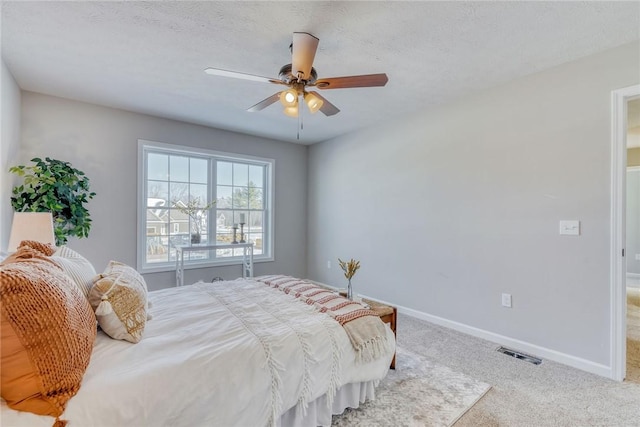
54	186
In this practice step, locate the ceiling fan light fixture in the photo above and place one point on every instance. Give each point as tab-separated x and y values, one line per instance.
291	111
289	98
300	75
314	103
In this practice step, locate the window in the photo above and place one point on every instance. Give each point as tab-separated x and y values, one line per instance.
177	182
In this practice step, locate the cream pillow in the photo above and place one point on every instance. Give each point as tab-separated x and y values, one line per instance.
119	299
77	267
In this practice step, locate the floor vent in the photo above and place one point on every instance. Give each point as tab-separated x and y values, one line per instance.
518	355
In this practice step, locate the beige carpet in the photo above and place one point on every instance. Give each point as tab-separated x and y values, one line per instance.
633	335
522	394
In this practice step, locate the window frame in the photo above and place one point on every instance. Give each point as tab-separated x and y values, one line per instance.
145	147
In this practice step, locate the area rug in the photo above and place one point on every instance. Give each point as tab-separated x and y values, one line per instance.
417	393
633	335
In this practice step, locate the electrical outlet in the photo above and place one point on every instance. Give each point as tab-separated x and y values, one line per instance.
637	257
571	228
329	264
506	300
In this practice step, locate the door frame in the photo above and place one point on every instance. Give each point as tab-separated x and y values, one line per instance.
618	270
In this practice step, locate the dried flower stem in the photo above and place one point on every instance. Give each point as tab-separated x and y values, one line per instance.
349	268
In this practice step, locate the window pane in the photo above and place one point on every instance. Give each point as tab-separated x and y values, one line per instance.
199	225
224	237
157	166
157	222
224	219
257	239
240	197
224	253
255	198
238	251
183	238
240	174
156	235
179	192
255	222
198	171
180	233
199	191
225	173
157	193
157	249
256	175
179	168
241	217
224	197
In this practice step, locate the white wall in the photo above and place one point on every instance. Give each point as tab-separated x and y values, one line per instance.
102	142
449	208
9	148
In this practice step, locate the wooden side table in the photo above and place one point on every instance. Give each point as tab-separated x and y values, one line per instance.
388	314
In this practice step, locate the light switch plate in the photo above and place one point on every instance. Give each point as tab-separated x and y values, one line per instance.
570	228
506	300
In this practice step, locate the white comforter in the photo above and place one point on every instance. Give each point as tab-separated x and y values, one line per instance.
234	353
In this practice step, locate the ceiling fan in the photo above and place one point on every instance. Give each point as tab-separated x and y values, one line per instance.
299	76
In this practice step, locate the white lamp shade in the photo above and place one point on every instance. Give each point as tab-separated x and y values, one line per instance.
291	111
36	226
289	98
313	102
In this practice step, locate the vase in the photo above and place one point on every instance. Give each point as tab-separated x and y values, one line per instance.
195	238
349	291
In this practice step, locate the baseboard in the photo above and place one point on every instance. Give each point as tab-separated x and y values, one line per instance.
525	347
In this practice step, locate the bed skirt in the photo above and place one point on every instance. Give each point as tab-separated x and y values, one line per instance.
319	413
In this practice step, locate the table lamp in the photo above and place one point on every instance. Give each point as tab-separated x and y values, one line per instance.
36	226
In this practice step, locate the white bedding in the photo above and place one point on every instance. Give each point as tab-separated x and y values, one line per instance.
210	357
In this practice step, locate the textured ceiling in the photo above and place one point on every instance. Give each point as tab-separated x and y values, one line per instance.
149	57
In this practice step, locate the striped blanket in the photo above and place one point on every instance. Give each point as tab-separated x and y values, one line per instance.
363	326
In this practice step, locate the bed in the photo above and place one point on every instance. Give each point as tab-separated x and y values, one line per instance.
268	351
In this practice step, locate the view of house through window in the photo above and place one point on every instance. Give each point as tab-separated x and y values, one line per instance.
197	198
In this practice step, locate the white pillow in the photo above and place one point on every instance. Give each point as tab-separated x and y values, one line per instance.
77	267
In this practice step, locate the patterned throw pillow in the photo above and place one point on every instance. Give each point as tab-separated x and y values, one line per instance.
47	330
77	267
119	298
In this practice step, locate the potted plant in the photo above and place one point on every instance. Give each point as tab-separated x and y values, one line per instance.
55	186
193	209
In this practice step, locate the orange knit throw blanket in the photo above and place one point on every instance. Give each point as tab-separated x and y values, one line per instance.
48	330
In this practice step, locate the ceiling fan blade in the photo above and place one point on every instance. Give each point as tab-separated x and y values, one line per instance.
264	103
367	80
302	53
328	109
237	75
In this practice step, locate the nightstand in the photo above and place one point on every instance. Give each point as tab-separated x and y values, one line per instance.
388	314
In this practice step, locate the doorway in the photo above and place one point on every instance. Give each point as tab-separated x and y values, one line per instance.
620	106
633	241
